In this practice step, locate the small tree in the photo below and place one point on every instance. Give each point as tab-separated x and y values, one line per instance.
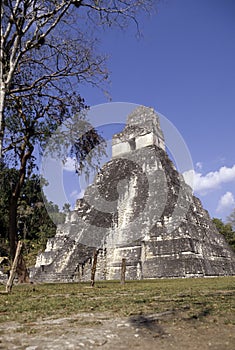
227	231
231	219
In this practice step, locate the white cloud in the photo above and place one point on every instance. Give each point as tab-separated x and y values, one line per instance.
210	181
226	201
81	194
69	164
76	195
199	165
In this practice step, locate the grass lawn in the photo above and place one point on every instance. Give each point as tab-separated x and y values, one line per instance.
196	298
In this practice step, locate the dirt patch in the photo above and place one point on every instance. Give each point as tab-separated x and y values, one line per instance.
179	314
105	331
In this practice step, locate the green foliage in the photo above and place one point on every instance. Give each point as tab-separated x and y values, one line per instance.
27	129
34	224
227	231
7	179
231	219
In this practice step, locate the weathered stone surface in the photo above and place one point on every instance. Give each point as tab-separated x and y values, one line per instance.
138	208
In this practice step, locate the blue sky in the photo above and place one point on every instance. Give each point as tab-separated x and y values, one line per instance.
184	67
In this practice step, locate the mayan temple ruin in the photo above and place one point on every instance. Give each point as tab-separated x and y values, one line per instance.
140	209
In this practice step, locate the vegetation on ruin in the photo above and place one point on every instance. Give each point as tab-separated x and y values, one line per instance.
227	229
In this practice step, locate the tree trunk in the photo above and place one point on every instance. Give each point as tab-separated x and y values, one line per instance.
13	225
123	271
14	267
93	269
2	103
2	100
22	271
25	156
2	84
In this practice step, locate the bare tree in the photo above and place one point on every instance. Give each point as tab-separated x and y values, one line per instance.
46	37
46	52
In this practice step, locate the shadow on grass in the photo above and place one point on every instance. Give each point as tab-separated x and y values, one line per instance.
148	323
198	316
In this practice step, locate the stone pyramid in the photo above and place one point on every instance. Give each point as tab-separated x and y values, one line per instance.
138	208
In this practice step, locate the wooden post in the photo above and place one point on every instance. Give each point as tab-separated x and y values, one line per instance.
93	269
14	267
123	271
